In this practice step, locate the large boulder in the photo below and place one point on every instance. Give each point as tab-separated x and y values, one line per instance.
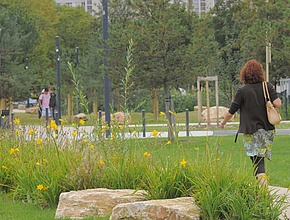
21	107
213	114
94	202
119	117
80	116
169	209
32	110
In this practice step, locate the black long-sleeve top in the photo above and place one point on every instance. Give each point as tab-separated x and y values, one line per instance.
251	102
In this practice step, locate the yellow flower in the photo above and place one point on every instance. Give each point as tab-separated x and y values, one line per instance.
40	147
39	141
56	135
146	154
121	127
134	133
16	121
37	164
101	163
46	188
171	112
92	146
74	133
44	160
73	124
53	125
183	163
168	142
102	131
16	149
4	167
12	150
40	187
113	136
31	131
265	176
162	114
154	133
18	132
48	126
196	148
85	140
82	122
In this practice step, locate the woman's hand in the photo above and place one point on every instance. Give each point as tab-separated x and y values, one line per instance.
222	125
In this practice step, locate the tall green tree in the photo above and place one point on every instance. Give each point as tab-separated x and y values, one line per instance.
14	82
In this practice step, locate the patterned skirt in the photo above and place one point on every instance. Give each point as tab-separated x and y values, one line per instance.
259	143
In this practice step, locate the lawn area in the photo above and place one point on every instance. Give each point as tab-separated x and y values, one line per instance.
224	145
127	155
17	210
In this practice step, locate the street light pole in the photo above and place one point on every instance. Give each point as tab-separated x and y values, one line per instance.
26	68
106	78
58	79
268	59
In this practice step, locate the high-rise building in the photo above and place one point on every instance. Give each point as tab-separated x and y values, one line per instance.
90	6
199	6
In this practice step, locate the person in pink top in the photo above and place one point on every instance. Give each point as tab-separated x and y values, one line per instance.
43	102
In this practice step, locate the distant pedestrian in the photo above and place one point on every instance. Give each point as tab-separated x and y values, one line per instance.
43	102
52	102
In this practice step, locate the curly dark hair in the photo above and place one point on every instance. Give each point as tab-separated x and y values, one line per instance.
252	72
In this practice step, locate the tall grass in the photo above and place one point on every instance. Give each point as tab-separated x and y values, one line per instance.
37	165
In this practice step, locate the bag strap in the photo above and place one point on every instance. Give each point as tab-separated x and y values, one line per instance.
265	90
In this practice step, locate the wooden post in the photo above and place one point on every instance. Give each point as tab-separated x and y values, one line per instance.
207	103
95	108
69	107
199	100
209	78
217	101
155	103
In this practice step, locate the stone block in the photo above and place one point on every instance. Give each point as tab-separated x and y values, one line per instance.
94	202
80	116
213	114
32	110
167	209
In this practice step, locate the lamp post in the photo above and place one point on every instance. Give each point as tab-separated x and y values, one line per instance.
58	115
106	78
77	63
26	68
268	59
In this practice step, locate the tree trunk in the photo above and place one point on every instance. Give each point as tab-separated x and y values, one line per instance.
118	102
69	107
155	103
169	110
95	108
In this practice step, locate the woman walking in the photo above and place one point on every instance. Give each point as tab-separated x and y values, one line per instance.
258	132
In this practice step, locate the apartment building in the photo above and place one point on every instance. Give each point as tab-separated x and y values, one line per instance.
89	5
199	6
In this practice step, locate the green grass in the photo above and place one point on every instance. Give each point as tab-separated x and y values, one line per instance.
277	169
223	145
16	210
